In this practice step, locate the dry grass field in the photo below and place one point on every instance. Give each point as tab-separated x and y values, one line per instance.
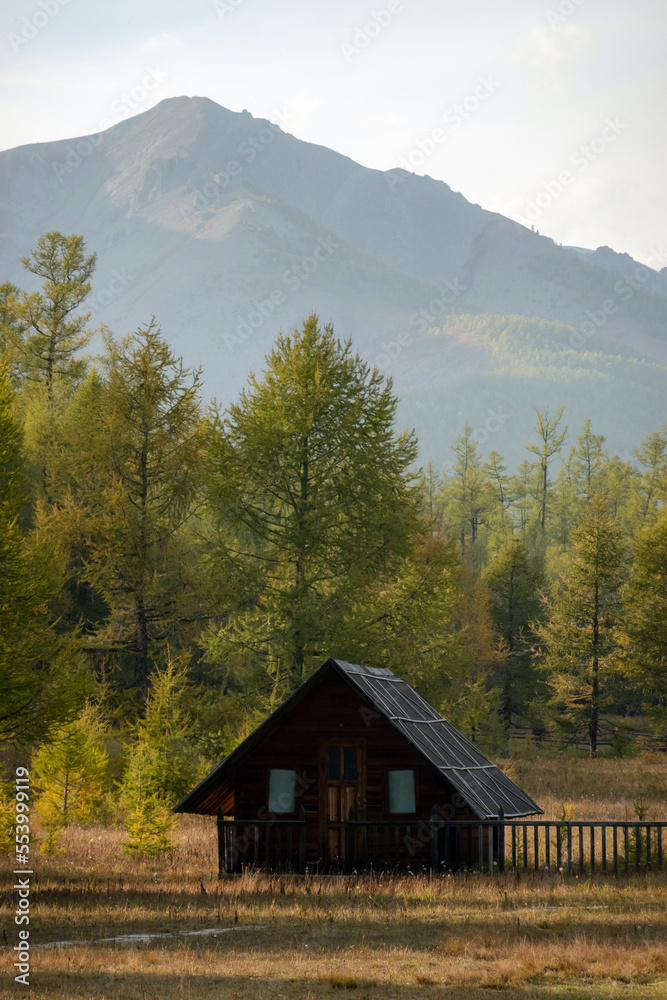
538	935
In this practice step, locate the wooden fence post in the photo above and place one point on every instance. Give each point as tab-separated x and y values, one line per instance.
501	839
351	816
221	841
302	840
435	834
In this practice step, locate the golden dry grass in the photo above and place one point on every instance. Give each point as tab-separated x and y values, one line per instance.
539	935
597	790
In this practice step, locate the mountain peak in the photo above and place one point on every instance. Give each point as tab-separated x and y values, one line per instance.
230	229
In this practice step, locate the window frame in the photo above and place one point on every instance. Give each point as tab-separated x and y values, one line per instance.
415	772
290	812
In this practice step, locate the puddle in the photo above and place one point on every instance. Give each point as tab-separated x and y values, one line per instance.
145	938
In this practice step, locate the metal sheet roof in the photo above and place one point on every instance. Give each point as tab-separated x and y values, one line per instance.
481	784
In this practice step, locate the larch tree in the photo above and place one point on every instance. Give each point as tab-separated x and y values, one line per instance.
579	636
551	438
12	330
45	333
588	457
501	489
70	772
651	486
163	759
467	495
522	486
40	678
646	618
313	496
432	484
53	333
133	487
514	581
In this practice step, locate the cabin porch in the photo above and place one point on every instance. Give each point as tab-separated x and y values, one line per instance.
283	845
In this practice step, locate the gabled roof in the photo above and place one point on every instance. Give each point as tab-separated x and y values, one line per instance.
481	784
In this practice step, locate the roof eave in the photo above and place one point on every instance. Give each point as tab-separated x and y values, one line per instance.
253	740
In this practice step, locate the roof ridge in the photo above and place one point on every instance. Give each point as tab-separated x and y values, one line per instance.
481	783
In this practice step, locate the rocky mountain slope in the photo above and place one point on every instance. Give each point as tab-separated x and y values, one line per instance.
228	230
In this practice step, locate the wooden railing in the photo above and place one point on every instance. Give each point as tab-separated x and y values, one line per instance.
584	846
270	844
500	845
444	845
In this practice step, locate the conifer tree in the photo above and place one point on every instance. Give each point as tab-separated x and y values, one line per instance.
163	759
40	679
551	437
12	330
132	491
313	496
467	494
646	619
51	333
163	762
523	493
587	458
579	637
651	488
432	484
70	772
149	825
515	582
45	334
501	489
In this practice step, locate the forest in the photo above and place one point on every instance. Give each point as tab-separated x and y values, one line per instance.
171	569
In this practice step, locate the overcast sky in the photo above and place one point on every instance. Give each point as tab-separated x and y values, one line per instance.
550	112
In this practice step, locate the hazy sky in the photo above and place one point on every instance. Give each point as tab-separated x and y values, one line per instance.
549	112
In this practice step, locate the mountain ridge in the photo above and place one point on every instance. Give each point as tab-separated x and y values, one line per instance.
229	229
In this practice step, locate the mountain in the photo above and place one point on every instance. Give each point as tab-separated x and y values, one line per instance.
229	229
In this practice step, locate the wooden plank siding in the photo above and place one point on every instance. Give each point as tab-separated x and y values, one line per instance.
335	715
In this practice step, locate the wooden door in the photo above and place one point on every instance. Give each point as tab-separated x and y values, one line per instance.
343	788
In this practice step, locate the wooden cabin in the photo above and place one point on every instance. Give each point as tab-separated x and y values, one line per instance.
354	770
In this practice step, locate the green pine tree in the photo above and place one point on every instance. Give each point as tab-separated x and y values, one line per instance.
163	759
70	772
646	619
149	826
40	676
314	497
467	496
48	332
651	487
579	637
551	437
133	461
515	583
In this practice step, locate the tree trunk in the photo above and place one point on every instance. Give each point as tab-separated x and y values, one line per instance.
141	647
507	688
594	721
300	556
141	619
50	365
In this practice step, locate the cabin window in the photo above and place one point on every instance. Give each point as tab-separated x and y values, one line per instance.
402	792
282	790
350	771
342	764
333	764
